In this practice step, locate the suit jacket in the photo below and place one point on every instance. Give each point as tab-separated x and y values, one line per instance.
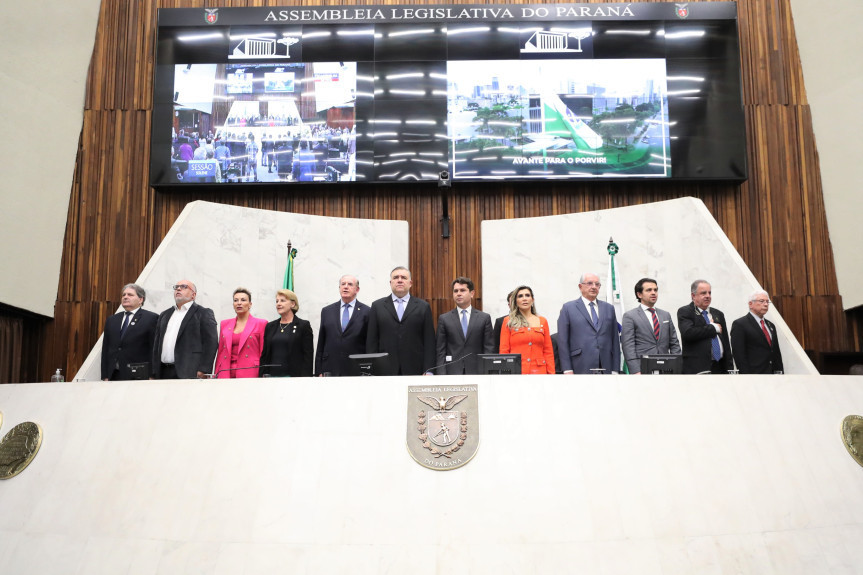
249	351
410	342
752	353
136	345
335	345
498	326
302	356
637	337
696	334
532	344
583	347
453	342
197	342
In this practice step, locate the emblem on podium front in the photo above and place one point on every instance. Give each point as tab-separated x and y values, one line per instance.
18	448
443	425
852	437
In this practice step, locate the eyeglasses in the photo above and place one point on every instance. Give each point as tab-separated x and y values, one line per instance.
181	286
762	301
591	284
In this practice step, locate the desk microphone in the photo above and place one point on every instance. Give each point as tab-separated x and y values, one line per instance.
461	359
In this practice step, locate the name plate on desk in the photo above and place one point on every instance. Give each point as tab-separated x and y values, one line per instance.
443	425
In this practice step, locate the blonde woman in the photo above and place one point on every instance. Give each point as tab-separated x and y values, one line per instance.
526	333
288	340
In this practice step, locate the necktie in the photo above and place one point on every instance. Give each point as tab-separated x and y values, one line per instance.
400	309
715	353
125	324
464	322
593	314
655	323
346	316
766	333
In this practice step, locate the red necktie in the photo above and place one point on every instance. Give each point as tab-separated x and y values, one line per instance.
766	333
655	323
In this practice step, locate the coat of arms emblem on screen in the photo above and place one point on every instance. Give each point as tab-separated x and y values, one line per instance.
682	10
443	425
211	15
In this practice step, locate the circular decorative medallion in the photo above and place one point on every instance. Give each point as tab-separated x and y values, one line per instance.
852	436
18	448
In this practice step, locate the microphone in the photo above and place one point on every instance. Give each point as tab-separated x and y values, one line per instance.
216	374
461	359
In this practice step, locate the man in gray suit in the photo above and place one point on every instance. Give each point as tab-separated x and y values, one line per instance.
647	329
187	337
587	333
461	332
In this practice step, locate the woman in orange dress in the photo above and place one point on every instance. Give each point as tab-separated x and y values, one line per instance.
527	333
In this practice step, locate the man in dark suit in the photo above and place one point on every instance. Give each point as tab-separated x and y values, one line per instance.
587	335
703	333
344	326
753	338
463	332
128	335
187	337
647	330
402	326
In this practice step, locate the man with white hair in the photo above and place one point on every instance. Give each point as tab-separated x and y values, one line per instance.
587	336
753	338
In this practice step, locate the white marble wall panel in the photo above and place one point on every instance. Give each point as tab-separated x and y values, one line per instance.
221	247
674	242
669	475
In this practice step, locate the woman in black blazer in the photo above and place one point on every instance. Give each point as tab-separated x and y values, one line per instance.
288	341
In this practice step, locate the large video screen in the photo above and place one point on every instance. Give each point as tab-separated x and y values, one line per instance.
533	119
404	93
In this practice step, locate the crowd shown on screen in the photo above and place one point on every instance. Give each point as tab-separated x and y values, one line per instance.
185	342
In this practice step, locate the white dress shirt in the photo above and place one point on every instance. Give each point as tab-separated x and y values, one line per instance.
171	332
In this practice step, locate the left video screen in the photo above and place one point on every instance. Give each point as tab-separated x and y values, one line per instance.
285	122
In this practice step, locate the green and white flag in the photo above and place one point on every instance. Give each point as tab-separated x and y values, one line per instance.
289	269
612	294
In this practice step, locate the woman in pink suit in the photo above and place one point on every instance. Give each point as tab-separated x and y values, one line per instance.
526	332
241	340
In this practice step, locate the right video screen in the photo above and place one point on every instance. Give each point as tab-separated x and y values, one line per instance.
558	118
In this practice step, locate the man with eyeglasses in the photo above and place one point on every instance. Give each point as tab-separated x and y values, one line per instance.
587	336
187	337
753	338
703	333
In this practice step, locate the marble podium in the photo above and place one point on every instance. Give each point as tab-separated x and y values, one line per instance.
582	474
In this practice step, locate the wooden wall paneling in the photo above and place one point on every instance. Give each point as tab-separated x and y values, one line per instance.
819	251
11	352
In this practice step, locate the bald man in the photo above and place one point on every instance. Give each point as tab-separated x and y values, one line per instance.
187	337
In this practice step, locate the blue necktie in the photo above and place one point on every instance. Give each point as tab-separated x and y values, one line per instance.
125	324
715	352
464	322
593	315
346	316
400	309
